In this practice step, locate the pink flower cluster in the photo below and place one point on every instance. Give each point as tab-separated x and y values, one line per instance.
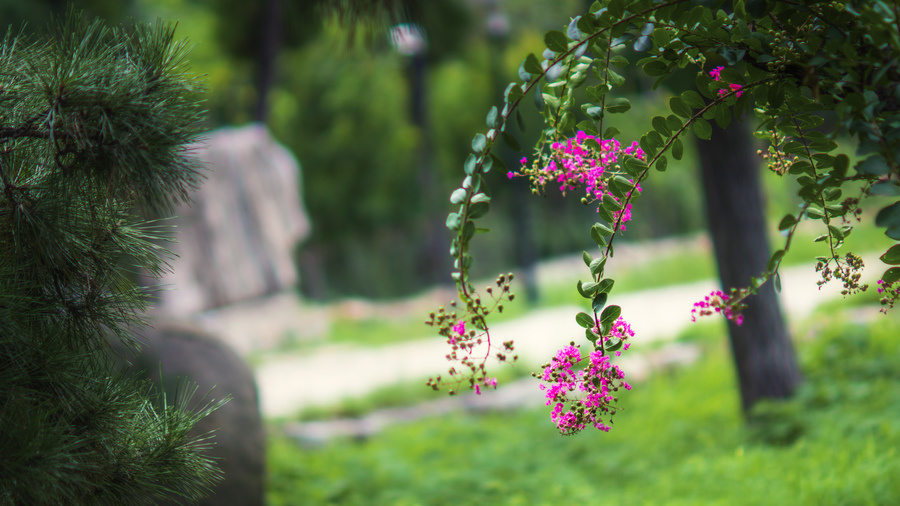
891	292
718	302
588	393
716	74
462	342
578	162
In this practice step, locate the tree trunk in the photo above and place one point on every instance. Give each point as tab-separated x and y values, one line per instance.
269	47
763	352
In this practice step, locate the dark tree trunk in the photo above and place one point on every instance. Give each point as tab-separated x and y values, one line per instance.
432	263
763	352
269	47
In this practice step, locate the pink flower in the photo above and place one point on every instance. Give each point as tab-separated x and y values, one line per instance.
717	302
589	392
510	174
460	328
716	74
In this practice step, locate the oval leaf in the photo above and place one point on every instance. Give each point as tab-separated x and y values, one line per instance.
585	320
892	256
702	129
556	41
610	314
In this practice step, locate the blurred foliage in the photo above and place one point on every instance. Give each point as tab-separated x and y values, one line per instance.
834	444
342	105
36	13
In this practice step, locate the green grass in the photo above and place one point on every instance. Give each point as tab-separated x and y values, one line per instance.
680	440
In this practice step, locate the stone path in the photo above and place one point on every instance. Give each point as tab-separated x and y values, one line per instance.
292	382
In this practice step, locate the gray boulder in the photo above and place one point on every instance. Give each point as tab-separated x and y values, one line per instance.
236	239
182	352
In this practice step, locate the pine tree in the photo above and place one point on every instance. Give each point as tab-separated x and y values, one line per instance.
94	128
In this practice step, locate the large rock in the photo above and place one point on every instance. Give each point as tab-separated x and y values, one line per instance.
236	240
183	353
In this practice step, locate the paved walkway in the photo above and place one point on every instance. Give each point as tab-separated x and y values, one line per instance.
292	382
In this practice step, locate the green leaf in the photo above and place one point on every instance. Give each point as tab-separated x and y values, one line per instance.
643	43
674	122
889	216
702	129
634	166
471	164
538	98
594	112
604	214
841	164
478	209
693	99
773	261
511	141
679	107
610	314
815	212
618	105
777	282
874	165
613	345
610	132
556	41
598	237
891	275
606	285
801	167
532	64
458	196
587	258
581	291
496	162
655	68
479	143
599	301
453	221
661	164
723	115
892	256
588	127
619	61
885	189
660	125
836	232
585	320
589	287
513	92
602	229
787	222
677	149
597	267
492	117
613	78
590	335
468	230
596	93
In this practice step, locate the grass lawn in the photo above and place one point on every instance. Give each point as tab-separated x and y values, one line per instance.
680	440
